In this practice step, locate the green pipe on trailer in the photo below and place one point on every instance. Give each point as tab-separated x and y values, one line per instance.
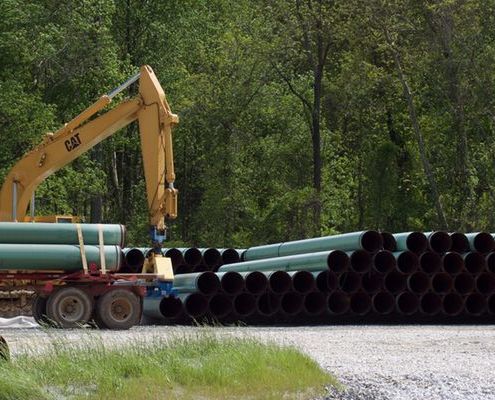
31	257
364	240
46	233
334	259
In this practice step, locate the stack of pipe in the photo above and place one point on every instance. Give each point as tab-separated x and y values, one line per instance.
45	246
412	274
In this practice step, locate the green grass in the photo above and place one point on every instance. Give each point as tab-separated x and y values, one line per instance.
203	367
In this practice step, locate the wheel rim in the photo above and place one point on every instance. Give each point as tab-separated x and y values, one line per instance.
121	309
71	309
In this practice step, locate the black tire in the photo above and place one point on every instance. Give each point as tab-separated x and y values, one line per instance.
69	307
39	310
118	309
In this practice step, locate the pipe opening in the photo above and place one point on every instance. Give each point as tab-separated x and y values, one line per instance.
361	260
170	307
430	304
220	305
134	259
244	304
372	282
338	303
350	282
453	263
360	303
483	242
196	305
211	257
268	304
314	303
407	262
407	303
303	282
430	262
383	303
474	262
464	283
192	256
389	242
208	283
321	281
371	241
176	256
442	283
418	282
452	304
417	242
460	242
230	256
384	261
475	304
280	282
485	283
256	282
337	261
232	282
490	262
292	303
395	282
440	241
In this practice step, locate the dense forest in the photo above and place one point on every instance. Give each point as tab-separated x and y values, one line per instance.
297	117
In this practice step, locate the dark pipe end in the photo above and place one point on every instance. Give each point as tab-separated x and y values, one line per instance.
292	303
483	242
350	282
321	281
407	303
220	305
430	262
232	282
395	282
417	242
196	305
407	262
383	303
371	241
372	282
361	260
268	304
176	256
244	304
182	269
360	303
452	304
442	283
389	242
453	263
384	261
256	282
464	283
280	282
192	256
170	307
419	282
440	242
490	262
134	259
303	282
314	303
230	256
337	261
211	257
474	262
338	303
460	242
485	283
208	283
430	304
475	304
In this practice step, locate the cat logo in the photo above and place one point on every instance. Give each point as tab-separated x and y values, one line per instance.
73	142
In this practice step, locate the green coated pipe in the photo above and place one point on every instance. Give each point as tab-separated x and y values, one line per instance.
365	240
205	283
416	242
55	257
159	307
335	260
46	233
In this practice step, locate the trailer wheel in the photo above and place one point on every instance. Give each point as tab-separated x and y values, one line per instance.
118	309
39	309
69	307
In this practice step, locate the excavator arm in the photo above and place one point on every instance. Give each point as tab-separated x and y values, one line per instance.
149	108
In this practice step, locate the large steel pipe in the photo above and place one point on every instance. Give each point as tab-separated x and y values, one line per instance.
490	262
474	262
279	282
315	303
485	283
255	282
475	304
383	261
360	260
439	241
244	304
231	282
481	241
460	242
176	256
230	256
338	303
395	282
134	259
211	257
407	303
389	242
60	257
350	282
360	303
407	261
419	282
192	255
416	242
383	303
430	262
302	281
162	307
442	283
335	260
47	233
372	282
291	303
220	305
452	304
268	304
195	304
326	281
430	304
464	283
365	240
206	283
453	263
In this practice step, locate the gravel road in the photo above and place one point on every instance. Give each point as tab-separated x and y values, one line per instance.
373	362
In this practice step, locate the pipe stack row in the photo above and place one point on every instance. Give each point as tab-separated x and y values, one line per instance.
368	274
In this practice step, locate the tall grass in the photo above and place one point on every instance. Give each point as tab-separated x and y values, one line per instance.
203	367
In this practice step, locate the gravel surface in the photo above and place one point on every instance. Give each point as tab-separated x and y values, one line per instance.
372	362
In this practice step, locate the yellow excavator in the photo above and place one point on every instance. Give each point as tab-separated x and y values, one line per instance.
156	120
